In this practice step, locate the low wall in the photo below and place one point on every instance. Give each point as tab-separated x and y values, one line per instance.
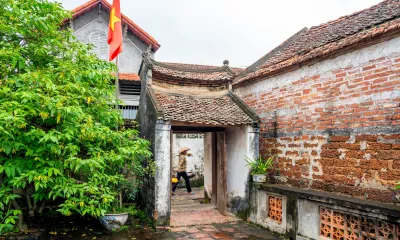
309	214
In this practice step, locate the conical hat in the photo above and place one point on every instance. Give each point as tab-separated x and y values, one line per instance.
184	149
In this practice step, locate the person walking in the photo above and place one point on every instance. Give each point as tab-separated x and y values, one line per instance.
181	170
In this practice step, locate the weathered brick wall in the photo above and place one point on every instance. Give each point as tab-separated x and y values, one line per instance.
335	125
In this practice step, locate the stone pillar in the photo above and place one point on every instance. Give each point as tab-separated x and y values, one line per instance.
162	159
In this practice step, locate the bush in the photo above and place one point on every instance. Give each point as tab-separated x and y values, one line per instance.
57	122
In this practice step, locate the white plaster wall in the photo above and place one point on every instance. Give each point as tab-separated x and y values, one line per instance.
131	56
354	59
237	147
196	143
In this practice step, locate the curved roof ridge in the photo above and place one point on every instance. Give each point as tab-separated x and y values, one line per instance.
182	68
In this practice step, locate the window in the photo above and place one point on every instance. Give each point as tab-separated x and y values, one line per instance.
100	48
129	88
129	112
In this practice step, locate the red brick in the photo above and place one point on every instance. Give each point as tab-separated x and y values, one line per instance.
374	164
333	145
339	138
330	153
350	146
369	138
396	164
327	161
388	154
311	145
355	154
346	163
379	195
393	175
379	146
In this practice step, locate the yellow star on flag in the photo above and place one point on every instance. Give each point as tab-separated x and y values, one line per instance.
113	19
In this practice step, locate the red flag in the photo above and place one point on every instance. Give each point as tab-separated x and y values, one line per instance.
115	31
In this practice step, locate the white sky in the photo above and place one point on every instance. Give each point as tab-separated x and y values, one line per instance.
209	31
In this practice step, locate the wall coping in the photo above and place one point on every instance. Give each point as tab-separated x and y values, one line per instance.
334	199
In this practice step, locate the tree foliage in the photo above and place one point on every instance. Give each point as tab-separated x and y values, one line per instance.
57	122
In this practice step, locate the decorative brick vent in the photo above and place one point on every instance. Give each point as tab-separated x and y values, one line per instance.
275	209
339	225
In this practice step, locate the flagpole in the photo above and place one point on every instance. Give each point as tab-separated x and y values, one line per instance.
116	87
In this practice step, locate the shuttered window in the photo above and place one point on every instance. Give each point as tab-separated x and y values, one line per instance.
129	88
99	40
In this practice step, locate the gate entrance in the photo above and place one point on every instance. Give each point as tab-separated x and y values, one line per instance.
196	99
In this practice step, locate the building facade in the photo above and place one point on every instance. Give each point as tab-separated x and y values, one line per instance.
89	23
329	103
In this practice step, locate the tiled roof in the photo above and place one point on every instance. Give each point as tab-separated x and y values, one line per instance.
133	27
327	38
129	76
193	71
218	110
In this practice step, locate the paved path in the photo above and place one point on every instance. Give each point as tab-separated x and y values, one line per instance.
190	210
237	230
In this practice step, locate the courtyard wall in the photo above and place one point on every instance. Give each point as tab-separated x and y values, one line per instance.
334	125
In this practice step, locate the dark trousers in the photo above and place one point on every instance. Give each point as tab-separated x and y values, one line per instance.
187	182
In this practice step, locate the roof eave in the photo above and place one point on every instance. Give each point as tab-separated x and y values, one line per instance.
385	34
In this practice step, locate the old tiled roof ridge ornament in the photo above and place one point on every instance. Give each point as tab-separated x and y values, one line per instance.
347	33
146	56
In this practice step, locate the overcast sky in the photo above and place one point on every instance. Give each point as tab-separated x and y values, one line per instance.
209	31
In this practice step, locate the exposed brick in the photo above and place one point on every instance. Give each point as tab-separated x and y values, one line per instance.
388	154
329	153
312	145
379	195
346	162
294	153
393	175
355	154
292	145
317	138
370	138
396	146
339	138
374	164
396	164
333	145
350	146
379	146
327	161
341	160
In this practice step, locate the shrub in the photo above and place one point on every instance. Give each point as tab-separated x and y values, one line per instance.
57	122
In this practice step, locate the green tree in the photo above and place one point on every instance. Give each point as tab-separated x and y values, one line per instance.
57	122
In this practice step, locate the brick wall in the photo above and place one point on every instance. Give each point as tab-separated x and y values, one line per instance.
337	130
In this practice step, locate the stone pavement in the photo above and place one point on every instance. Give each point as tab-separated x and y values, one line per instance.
190	210
237	230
